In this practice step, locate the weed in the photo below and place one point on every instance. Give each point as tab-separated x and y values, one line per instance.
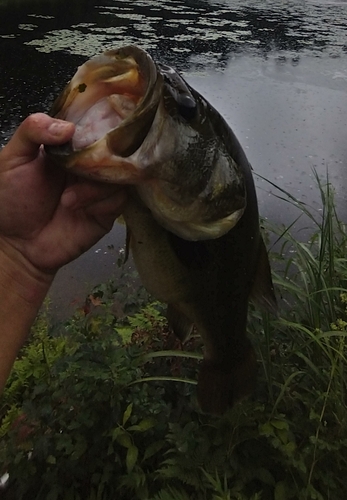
96	409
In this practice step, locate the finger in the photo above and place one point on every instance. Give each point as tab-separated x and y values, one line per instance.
35	130
83	193
107	210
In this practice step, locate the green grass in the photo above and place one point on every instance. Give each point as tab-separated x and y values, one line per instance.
99	405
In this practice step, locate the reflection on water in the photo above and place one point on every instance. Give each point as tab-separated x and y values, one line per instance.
183	32
180	30
43	42
277	70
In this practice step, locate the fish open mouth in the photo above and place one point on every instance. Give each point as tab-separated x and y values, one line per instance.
123	95
102	97
112	102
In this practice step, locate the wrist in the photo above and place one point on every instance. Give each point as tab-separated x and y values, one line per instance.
22	291
20	279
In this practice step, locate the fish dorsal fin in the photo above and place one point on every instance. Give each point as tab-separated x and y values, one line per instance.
179	323
263	290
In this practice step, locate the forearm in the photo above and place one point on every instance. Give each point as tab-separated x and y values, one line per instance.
22	291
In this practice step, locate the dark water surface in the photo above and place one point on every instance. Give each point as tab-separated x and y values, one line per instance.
276	70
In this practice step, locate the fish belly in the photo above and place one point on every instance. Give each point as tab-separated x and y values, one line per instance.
208	284
161	272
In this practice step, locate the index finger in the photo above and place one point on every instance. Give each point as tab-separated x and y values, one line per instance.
84	192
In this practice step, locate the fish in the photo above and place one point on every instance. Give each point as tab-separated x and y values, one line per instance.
192	214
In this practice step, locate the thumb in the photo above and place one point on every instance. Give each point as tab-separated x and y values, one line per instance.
35	130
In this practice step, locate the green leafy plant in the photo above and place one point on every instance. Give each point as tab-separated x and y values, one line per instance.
103	406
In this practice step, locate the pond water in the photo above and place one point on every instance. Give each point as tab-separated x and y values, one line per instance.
276	70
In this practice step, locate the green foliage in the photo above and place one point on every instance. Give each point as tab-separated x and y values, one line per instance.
93	409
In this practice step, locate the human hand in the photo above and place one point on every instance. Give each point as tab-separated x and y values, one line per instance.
48	217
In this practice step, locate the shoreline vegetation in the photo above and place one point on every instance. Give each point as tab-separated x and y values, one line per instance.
103	405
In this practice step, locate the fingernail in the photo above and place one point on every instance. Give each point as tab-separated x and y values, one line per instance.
58	127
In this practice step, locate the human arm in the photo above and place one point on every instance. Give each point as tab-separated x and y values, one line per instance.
47	219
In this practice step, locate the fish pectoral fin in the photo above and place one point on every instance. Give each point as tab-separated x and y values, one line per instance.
262	292
121	220
127	244
179	323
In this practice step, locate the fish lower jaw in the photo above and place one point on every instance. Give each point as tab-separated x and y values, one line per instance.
186	221
203	230
108	168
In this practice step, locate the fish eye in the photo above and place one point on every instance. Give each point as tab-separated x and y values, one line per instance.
180	91
186	106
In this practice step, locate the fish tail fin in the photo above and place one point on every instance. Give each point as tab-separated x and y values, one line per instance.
221	385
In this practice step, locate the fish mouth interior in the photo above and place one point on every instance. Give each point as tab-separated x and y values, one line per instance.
105	92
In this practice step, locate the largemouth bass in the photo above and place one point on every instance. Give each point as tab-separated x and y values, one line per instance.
192	215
